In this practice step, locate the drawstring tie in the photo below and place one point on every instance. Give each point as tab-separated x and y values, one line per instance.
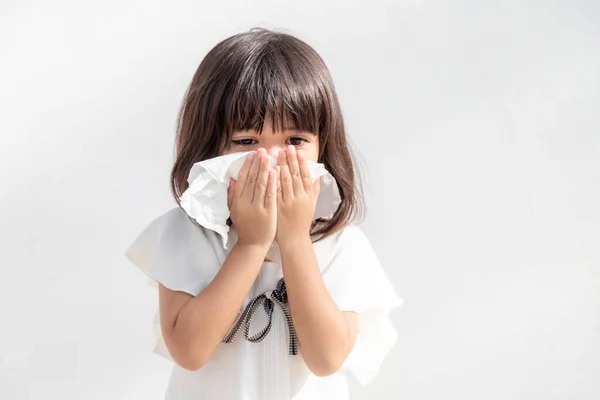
267	299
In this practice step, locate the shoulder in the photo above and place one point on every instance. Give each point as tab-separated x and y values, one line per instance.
350	234
174	220
173	229
348	242
174	216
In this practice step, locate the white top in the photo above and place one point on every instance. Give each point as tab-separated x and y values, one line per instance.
185	257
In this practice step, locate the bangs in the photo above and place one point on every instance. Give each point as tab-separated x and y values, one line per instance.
278	86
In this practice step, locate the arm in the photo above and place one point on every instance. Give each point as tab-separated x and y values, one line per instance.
193	327
326	335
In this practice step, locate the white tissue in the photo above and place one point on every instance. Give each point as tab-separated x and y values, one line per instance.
205	199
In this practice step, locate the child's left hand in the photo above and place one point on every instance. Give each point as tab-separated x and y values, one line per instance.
296	196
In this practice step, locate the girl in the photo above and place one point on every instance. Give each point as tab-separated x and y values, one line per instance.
291	304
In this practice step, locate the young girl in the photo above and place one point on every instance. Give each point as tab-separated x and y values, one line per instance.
291	304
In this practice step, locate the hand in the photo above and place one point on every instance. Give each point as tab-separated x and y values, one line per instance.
296	195
252	201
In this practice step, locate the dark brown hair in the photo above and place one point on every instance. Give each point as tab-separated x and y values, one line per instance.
262	74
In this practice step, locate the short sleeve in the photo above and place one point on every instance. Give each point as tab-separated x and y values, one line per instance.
174	251
357	282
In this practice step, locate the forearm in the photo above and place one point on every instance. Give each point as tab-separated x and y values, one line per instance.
205	320
322	329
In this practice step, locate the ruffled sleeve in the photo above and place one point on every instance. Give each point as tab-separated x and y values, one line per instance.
177	253
357	282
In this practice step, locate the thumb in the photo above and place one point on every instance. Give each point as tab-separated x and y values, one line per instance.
230	191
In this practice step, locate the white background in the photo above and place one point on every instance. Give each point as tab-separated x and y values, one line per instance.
477	123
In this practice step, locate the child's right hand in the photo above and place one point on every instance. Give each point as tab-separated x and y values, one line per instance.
252	200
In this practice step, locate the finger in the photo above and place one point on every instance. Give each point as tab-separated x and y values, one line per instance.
271	194
278	183
248	192
230	192
287	190
262	179
243	174
282	158
294	169
307	181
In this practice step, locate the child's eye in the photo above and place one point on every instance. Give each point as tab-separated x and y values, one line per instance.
297	141
244	142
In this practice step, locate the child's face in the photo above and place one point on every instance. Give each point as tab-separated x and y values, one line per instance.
274	141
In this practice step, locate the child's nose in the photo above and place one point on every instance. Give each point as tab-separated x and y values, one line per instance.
273	150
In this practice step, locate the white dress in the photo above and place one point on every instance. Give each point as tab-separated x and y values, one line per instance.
185	257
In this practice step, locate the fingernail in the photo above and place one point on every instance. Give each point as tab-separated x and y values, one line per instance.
251	155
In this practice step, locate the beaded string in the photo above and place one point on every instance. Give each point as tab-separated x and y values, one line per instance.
268	300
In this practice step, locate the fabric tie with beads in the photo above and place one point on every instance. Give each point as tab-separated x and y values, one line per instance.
267	299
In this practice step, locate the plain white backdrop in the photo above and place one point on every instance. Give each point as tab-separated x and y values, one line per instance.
478	127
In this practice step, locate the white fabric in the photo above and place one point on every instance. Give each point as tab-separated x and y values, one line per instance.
205	199
183	256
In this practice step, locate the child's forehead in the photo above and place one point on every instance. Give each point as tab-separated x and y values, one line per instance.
284	126
266	129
